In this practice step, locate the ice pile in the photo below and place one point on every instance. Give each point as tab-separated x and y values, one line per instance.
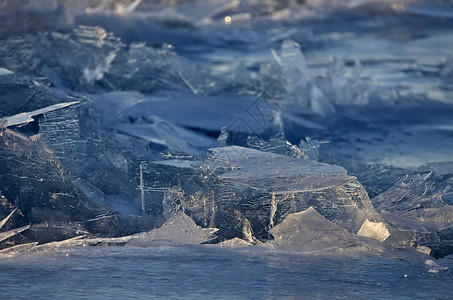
111	142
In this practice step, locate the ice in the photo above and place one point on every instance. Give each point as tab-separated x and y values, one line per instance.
21	94
177	230
258	114
447	72
257	170
374	230
239	191
4	71
13	232
297	79
277	144
27	117
45	54
3	222
192	121
420	197
310	232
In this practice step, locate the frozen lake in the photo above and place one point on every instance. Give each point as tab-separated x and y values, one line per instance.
211	271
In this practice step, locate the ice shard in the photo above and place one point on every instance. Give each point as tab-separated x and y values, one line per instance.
179	229
309	232
257	170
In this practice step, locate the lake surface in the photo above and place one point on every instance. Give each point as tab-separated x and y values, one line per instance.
204	272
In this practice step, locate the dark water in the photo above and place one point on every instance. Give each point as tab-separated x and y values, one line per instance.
206	272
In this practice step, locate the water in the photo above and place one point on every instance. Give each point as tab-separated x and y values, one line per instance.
209	271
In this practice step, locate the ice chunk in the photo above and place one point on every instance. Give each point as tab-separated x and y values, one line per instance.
345	87
45	53
277	144
375	230
20	94
266	187
166	134
27	117
447	72
177	230
235	243
245	192
261	171
297	80
407	232
181	185
4	71
294	69
208	114
13	232
14	250
419	197
422	198
310	232
3	222
46	192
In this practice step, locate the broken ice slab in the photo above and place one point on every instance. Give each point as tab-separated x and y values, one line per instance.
263	171
309	232
21	93
179	229
294	69
374	230
3	222
422	196
245	192
4	71
45	192
13	232
270	191
27	117
171	186
45	53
